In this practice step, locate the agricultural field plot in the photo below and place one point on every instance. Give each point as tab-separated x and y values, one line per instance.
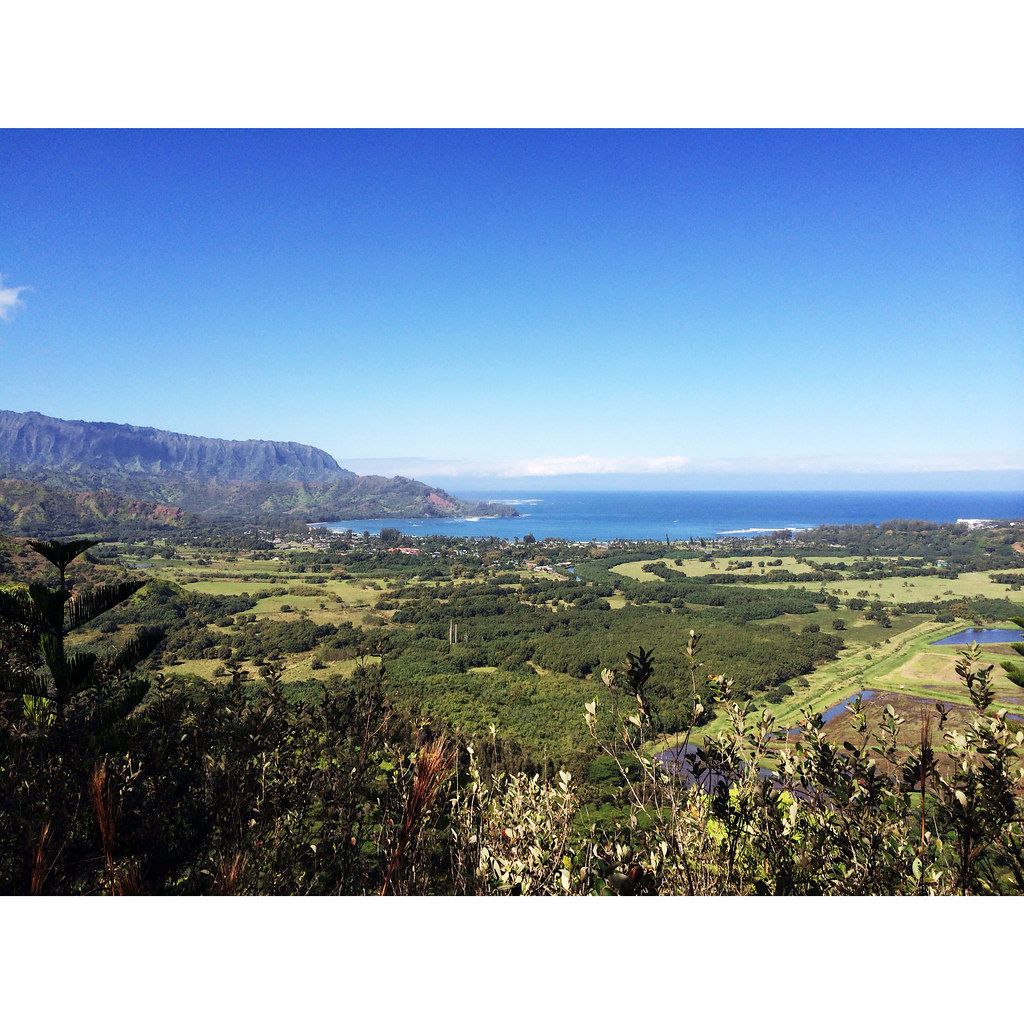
905	669
912	588
694	567
289	598
894	588
908	666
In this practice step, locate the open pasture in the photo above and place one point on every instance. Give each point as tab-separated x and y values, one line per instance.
300	593
892	589
694	567
898	589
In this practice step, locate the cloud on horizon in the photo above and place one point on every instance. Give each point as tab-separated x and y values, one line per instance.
9	300
571	465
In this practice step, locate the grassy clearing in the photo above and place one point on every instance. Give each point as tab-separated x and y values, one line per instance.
298	668
632	570
203	668
222	586
913	588
694	568
894	589
351	592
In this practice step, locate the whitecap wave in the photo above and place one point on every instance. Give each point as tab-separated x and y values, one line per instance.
764	529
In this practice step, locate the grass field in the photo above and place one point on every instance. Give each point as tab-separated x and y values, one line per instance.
334	601
896	588
693	567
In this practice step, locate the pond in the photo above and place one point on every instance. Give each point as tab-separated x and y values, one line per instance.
982	636
837	709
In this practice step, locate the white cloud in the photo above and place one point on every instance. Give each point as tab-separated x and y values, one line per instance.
9	300
680	465
544	465
562	465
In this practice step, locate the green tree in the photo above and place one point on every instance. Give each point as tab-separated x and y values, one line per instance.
73	690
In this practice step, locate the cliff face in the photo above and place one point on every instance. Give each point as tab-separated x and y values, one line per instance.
31	442
227	480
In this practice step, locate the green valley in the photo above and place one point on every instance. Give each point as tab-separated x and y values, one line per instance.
499	647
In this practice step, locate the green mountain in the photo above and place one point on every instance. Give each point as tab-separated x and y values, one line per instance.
33	509
218	479
33	443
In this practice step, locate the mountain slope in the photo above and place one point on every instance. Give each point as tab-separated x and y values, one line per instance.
218	479
28	508
31	442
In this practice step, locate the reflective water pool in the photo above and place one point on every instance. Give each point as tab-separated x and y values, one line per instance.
982	636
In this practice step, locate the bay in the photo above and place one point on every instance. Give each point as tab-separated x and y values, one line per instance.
605	516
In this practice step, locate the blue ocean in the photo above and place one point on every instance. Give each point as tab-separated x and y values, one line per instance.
679	515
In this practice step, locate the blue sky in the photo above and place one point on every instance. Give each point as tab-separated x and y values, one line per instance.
670	308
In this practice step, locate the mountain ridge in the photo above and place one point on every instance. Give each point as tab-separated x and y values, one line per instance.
32	440
213	477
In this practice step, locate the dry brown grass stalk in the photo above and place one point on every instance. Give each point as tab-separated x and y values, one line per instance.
127	881
121	881
229	874
434	765
106	813
42	860
926	762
